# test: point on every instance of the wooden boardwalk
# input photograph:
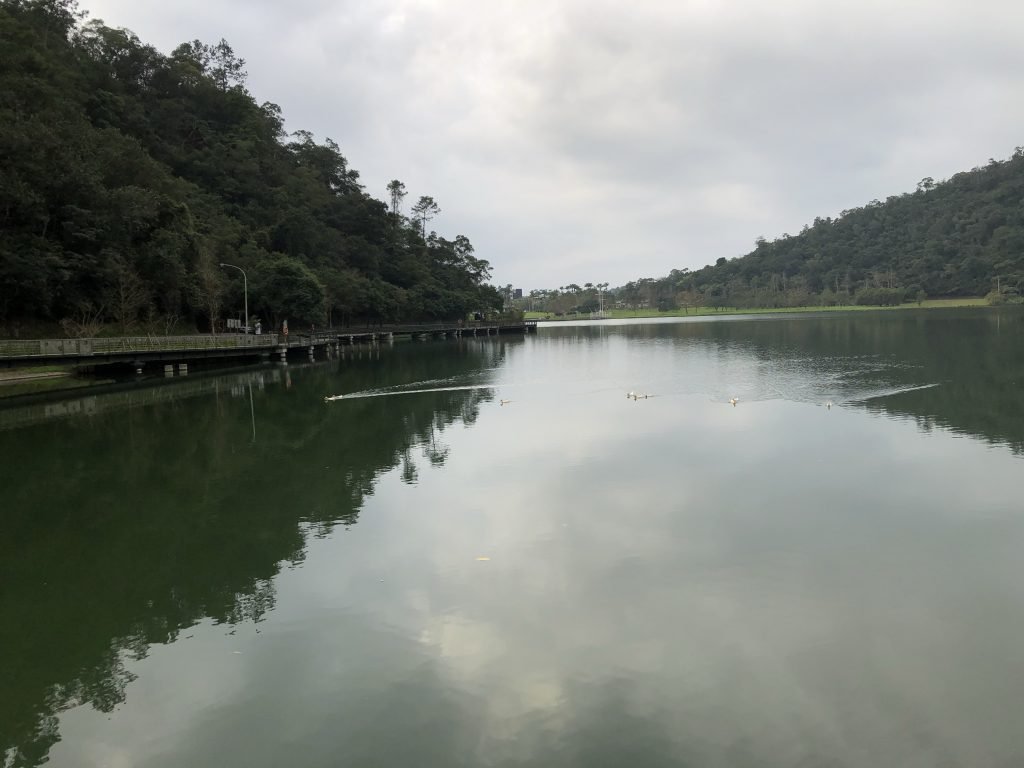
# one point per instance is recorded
(140, 350)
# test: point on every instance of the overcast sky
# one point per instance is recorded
(591, 141)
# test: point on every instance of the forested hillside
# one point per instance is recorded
(961, 237)
(128, 176)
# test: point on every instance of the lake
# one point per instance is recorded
(225, 570)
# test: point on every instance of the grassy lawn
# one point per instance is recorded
(37, 378)
(39, 386)
(967, 302)
(30, 371)
(623, 314)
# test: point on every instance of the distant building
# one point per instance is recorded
(517, 293)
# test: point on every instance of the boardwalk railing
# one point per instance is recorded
(128, 344)
(17, 349)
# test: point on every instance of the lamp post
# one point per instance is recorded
(245, 289)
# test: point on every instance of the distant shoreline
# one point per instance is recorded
(639, 314)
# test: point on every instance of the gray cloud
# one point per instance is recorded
(578, 140)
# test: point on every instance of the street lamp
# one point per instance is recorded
(245, 289)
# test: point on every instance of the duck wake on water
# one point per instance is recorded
(358, 395)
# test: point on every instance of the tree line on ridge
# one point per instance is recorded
(959, 237)
(130, 176)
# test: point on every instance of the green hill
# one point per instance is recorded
(960, 237)
(129, 175)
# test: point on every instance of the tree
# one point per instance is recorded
(397, 193)
(208, 289)
(218, 62)
(129, 175)
(478, 270)
(425, 210)
(325, 162)
(347, 295)
(129, 294)
(87, 321)
(285, 288)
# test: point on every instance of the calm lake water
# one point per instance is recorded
(228, 571)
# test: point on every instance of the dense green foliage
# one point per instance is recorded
(129, 175)
(961, 237)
